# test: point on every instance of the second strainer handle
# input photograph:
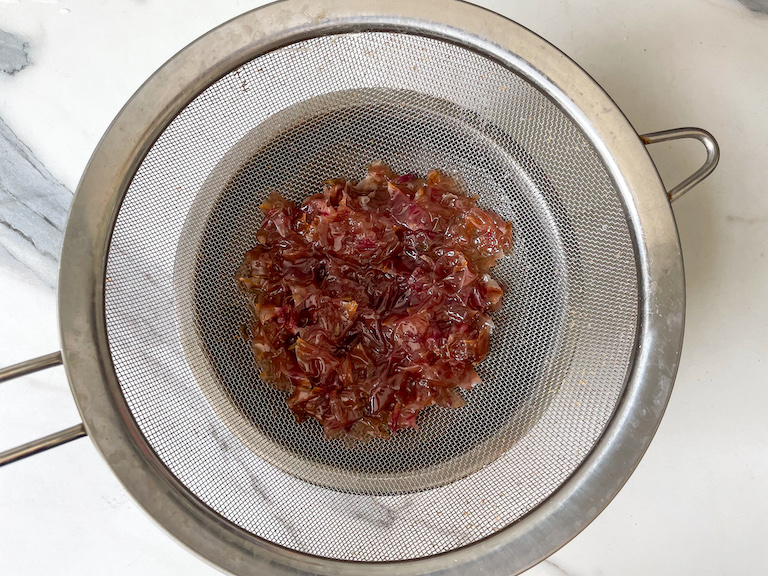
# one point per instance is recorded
(713, 155)
(52, 440)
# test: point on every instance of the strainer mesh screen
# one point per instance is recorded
(324, 108)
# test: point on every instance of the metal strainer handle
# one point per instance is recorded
(713, 155)
(52, 440)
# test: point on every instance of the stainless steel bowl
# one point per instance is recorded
(533, 134)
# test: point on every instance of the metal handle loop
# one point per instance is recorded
(30, 366)
(713, 155)
(51, 440)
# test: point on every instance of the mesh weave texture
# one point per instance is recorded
(326, 107)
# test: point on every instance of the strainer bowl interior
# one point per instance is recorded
(326, 107)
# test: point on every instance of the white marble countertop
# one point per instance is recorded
(697, 503)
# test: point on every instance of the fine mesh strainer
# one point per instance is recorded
(280, 99)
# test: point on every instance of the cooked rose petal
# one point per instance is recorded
(370, 301)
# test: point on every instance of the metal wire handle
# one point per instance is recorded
(52, 440)
(713, 155)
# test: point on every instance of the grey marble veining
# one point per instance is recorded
(14, 55)
(33, 210)
(558, 570)
(756, 5)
